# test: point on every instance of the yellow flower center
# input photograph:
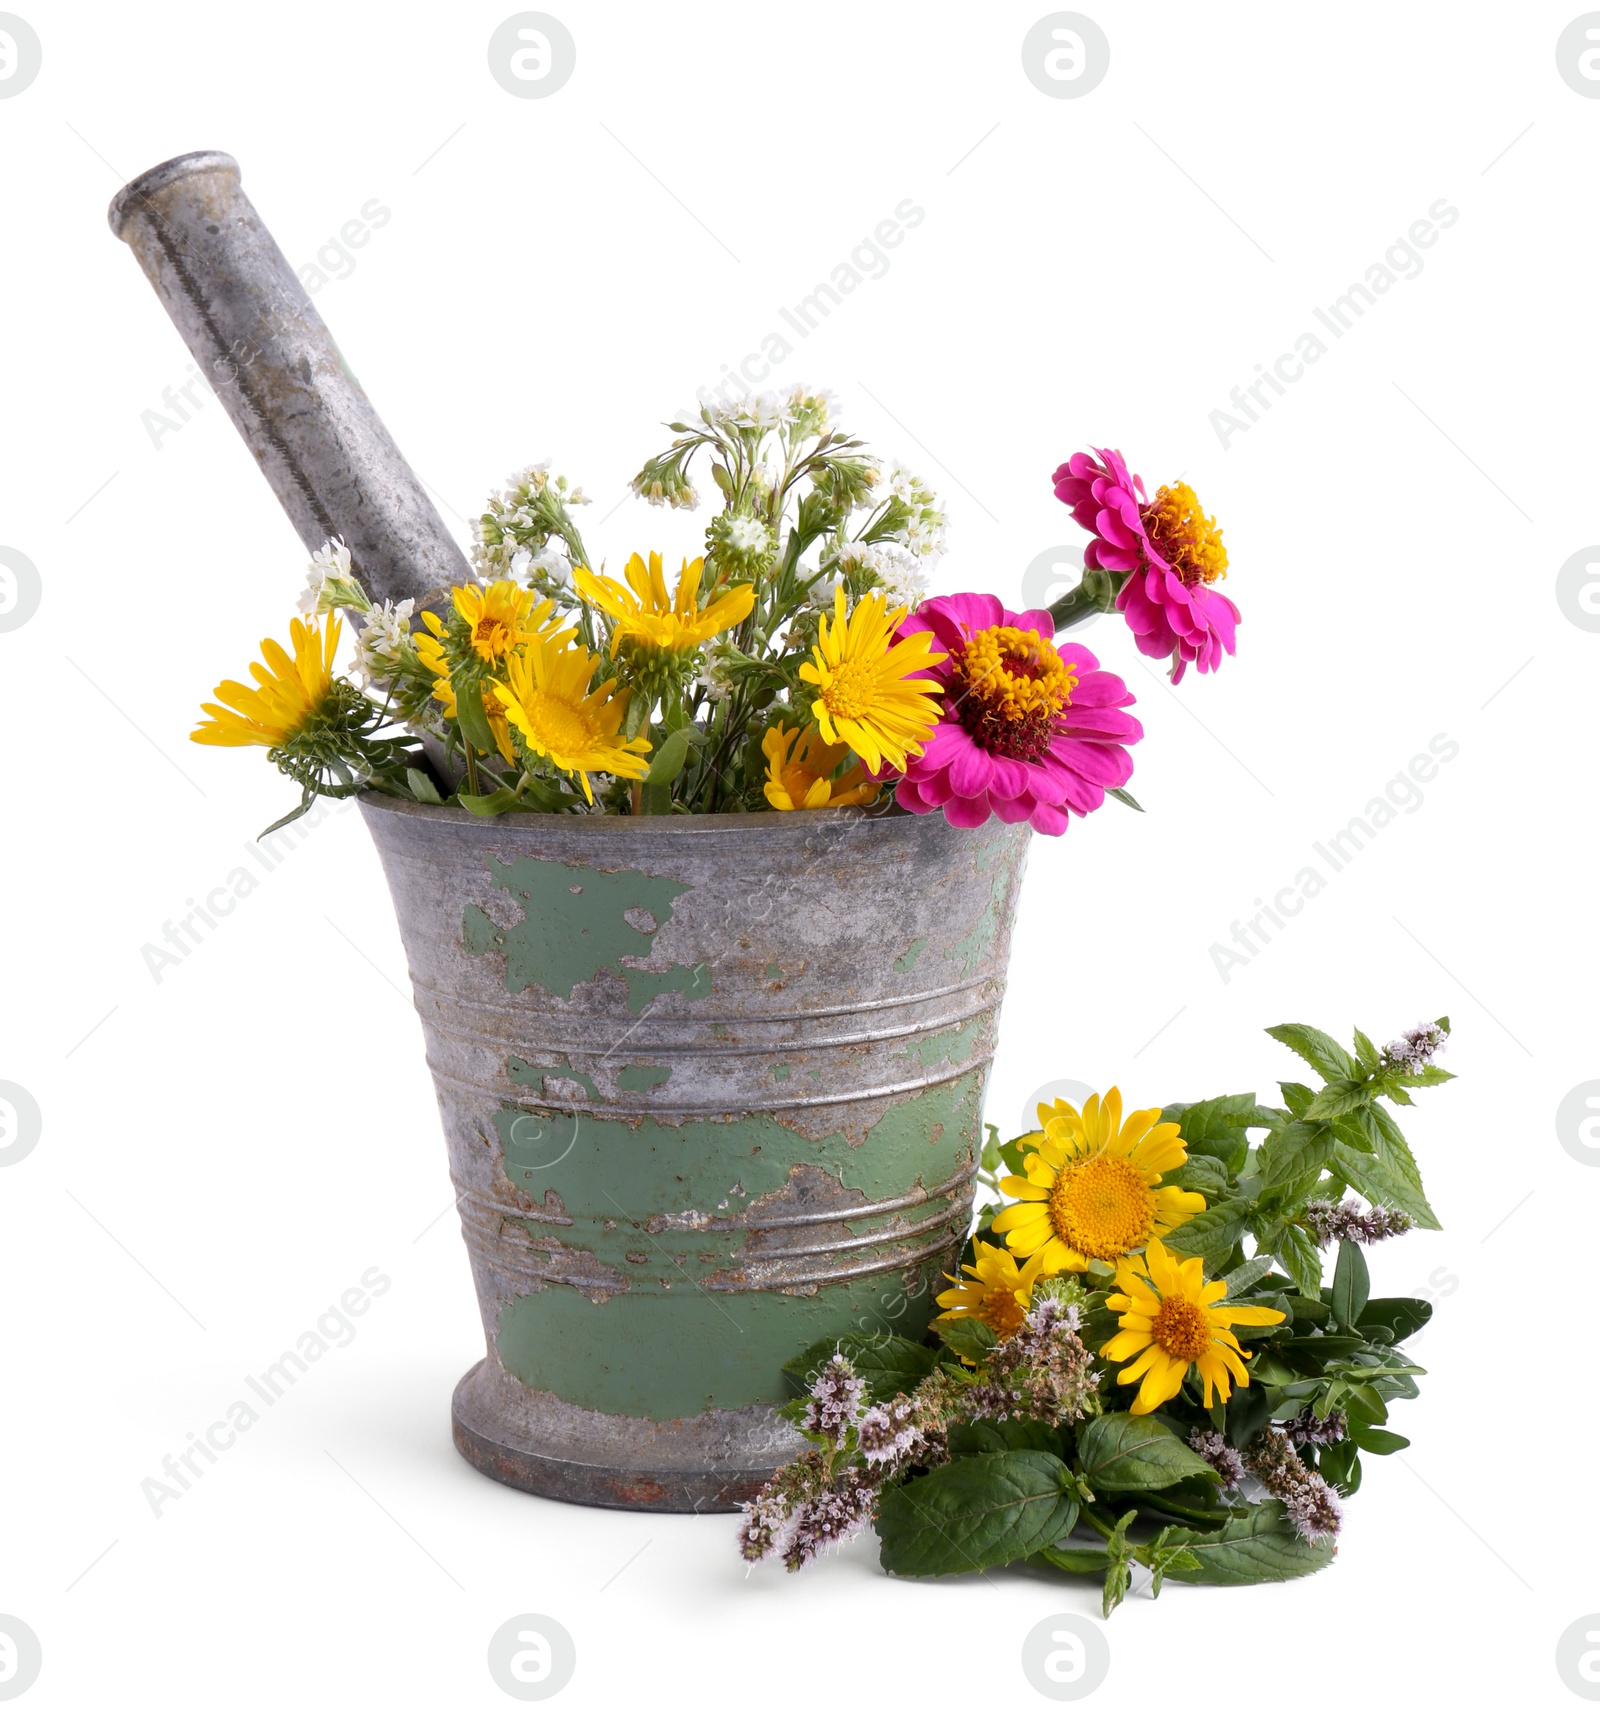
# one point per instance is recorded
(1102, 1207)
(851, 691)
(1001, 1311)
(1189, 541)
(1009, 687)
(1181, 1329)
(556, 726)
(492, 637)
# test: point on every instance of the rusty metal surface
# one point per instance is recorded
(711, 1088)
(251, 328)
(536, 1442)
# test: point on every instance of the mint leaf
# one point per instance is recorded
(1120, 1450)
(976, 1512)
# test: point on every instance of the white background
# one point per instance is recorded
(226, 1151)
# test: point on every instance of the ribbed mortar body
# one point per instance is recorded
(251, 327)
(711, 1088)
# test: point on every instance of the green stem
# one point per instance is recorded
(1095, 1522)
(1096, 592)
(1190, 1514)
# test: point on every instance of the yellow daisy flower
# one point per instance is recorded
(998, 1292)
(549, 702)
(661, 623)
(866, 696)
(289, 692)
(1172, 1319)
(1093, 1188)
(499, 619)
(799, 775)
(494, 623)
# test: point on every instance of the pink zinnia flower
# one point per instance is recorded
(1170, 550)
(1025, 733)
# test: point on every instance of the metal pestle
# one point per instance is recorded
(250, 326)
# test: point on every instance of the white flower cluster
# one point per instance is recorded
(898, 570)
(384, 638)
(511, 537)
(807, 410)
(924, 531)
(328, 577)
(549, 561)
(1413, 1052)
(715, 680)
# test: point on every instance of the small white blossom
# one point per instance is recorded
(330, 582)
(382, 639)
(747, 534)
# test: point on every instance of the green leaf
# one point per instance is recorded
(887, 1363)
(1346, 1095)
(1249, 1411)
(1301, 1259)
(1351, 1283)
(1298, 1151)
(976, 1512)
(495, 803)
(1261, 1548)
(1204, 1173)
(474, 723)
(422, 788)
(1367, 1055)
(1124, 1451)
(1217, 1127)
(1126, 797)
(1212, 1233)
(669, 760)
(1246, 1274)
(1322, 1348)
(1380, 1182)
(1019, 1434)
(1297, 1097)
(1391, 1146)
(1340, 1464)
(1402, 1315)
(968, 1337)
(1427, 1078)
(1356, 1131)
(1321, 1052)
(1378, 1440)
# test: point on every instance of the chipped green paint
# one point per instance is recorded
(912, 953)
(637, 1078)
(664, 1346)
(574, 928)
(643, 985)
(953, 1044)
(774, 972)
(780, 1073)
(533, 1076)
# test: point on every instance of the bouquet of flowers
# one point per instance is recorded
(1123, 1238)
(794, 664)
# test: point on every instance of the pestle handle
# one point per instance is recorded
(250, 326)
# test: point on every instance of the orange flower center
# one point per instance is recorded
(1008, 687)
(1001, 1311)
(1188, 540)
(1181, 1329)
(1102, 1207)
(492, 637)
(850, 691)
